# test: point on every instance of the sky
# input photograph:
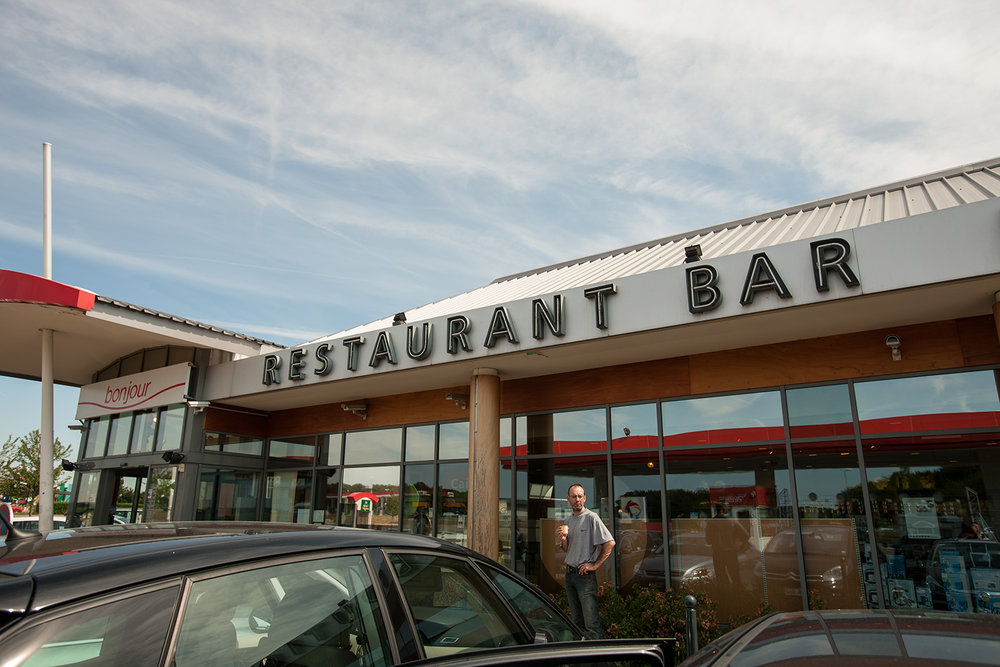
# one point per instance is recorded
(289, 170)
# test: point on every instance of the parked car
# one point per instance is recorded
(831, 566)
(857, 637)
(31, 522)
(236, 593)
(691, 563)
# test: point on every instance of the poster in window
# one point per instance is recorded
(921, 518)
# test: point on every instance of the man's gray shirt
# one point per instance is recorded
(586, 535)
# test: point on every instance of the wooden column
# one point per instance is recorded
(484, 462)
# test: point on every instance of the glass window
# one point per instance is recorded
(97, 437)
(506, 424)
(86, 500)
(933, 501)
(532, 608)
(420, 443)
(144, 431)
(129, 631)
(957, 400)
(121, 429)
(371, 498)
(160, 497)
(566, 432)
(542, 487)
(418, 496)
(170, 429)
(286, 496)
(815, 412)
(722, 419)
(833, 534)
(227, 495)
(634, 426)
(452, 503)
(377, 446)
(724, 506)
(640, 518)
(327, 496)
(453, 607)
(453, 441)
(330, 449)
(314, 612)
(233, 444)
(292, 452)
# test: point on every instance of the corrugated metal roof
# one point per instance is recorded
(954, 187)
(208, 328)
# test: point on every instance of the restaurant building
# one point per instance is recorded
(796, 408)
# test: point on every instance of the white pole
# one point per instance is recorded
(46, 483)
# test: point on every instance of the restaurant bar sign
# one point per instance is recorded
(828, 259)
(141, 391)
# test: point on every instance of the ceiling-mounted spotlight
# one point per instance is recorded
(174, 457)
(359, 409)
(692, 253)
(461, 400)
(893, 343)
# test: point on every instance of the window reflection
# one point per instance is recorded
(453, 441)
(170, 428)
(371, 498)
(833, 534)
(634, 426)
(639, 533)
(420, 443)
(452, 503)
(724, 507)
(287, 495)
(925, 499)
(956, 400)
(227, 495)
(376, 446)
(721, 419)
(418, 496)
(815, 412)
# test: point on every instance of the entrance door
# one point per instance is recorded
(127, 498)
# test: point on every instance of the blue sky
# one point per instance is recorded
(289, 170)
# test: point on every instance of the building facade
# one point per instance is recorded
(795, 409)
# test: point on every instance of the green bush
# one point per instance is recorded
(654, 612)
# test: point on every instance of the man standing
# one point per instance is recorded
(587, 543)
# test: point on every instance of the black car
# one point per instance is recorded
(857, 638)
(269, 594)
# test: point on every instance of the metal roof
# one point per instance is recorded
(941, 190)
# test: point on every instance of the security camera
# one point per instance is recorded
(354, 407)
(893, 343)
(198, 406)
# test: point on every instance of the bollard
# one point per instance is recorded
(691, 624)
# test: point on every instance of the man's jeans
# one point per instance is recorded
(581, 591)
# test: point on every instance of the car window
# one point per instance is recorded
(452, 606)
(130, 631)
(313, 612)
(537, 611)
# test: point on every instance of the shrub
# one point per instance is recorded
(653, 612)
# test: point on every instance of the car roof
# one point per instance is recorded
(72, 563)
(858, 636)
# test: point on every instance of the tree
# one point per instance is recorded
(19, 473)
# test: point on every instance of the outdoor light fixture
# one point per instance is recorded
(70, 466)
(461, 400)
(198, 406)
(692, 253)
(173, 458)
(399, 318)
(359, 409)
(893, 343)
(77, 427)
